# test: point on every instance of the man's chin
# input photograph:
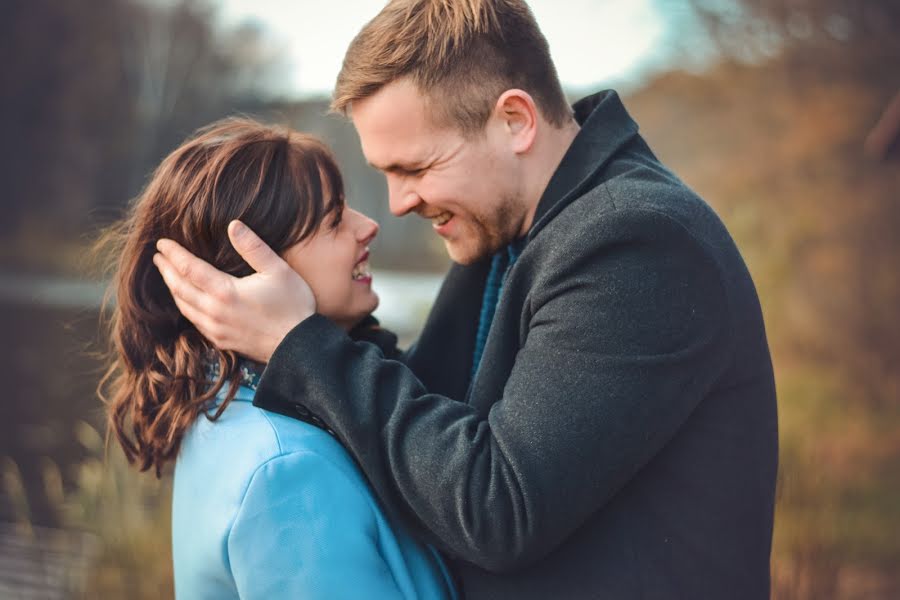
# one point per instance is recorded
(464, 254)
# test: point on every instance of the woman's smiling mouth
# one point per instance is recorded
(361, 271)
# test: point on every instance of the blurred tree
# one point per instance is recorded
(63, 98)
(184, 73)
(830, 69)
(94, 95)
(812, 34)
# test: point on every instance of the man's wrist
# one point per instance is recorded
(299, 351)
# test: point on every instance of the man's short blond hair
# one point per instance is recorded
(461, 55)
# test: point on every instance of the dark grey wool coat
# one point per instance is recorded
(620, 438)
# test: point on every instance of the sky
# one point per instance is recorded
(593, 42)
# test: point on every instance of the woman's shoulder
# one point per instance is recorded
(249, 461)
(260, 485)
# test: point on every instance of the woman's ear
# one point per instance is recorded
(519, 115)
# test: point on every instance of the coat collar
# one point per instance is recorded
(605, 127)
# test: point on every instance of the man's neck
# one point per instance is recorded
(548, 155)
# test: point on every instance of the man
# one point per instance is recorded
(590, 409)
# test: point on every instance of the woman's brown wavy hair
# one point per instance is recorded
(282, 184)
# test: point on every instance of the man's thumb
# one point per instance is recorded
(252, 249)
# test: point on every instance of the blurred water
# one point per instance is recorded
(405, 297)
(50, 292)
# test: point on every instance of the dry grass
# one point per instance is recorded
(126, 512)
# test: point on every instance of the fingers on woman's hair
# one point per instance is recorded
(252, 249)
(183, 291)
(189, 300)
(207, 327)
(195, 271)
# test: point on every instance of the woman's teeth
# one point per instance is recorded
(441, 219)
(361, 271)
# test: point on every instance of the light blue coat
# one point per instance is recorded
(265, 506)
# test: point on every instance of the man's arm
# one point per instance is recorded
(626, 337)
(370, 330)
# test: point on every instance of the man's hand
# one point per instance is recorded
(250, 315)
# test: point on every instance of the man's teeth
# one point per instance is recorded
(441, 219)
(361, 271)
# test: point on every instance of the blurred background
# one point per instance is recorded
(783, 114)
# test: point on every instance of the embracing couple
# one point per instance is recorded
(589, 411)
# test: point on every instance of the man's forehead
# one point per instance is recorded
(395, 130)
(386, 150)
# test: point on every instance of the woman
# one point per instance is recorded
(264, 506)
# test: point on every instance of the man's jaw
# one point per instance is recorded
(458, 234)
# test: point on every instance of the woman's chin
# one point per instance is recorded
(349, 320)
(375, 301)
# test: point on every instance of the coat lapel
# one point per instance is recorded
(442, 357)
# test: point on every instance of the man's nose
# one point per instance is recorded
(402, 198)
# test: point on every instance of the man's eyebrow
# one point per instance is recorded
(398, 167)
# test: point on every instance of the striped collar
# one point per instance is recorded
(250, 371)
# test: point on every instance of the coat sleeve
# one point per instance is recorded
(302, 527)
(625, 337)
(370, 330)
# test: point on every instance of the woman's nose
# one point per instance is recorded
(366, 228)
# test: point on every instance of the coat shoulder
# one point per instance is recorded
(639, 201)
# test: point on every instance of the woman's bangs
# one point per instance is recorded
(318, 193)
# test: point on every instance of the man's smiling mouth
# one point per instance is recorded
(441, 219)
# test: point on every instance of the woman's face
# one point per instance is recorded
(335, 264)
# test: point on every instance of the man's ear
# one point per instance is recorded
(519, 115)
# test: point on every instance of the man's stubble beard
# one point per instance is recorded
(491, 233)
